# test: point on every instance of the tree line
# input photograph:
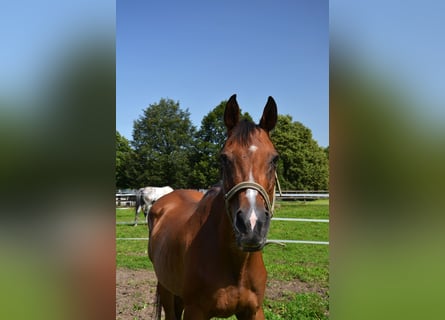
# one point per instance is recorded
(167, 149)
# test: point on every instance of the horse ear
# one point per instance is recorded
(231, 113)
(269, 118)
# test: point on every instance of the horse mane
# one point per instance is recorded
(243, 132)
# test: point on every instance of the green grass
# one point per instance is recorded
(131, 254)
(300, 306)
(307, 263)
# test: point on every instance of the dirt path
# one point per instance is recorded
(135, 292)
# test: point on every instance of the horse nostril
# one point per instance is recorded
(240, 223)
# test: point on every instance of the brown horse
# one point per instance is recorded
(206, 250)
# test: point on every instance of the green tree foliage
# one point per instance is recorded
(124, 163)
(162, 141)
(167, 150)
(303, 164)
(208, 143)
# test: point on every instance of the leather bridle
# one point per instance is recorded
(250, 185)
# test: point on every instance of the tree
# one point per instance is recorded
(124, 164)
(162, 140)
(208, 143)
(303, 164)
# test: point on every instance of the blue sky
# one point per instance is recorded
(402, 40)
(201, 52)
(35, 34)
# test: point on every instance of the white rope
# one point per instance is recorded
(301, 219)
(277, 219)
(297, 241)
(274, 241)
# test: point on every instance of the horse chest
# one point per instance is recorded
(233, 299)
(222, 292)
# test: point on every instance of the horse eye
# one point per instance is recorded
(224, 159)
(274, 161)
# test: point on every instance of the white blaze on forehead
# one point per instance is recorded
(251, 179)
(253, 148)
(251, 197)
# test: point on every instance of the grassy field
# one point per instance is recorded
(307, 264)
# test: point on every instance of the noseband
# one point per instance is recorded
(250, 185)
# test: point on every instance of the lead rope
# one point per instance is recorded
(281, 194)
(278, 183)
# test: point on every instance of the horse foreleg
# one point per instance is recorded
(259, 315)
(138, 209)
(194, 313)
(146, 211)
(135, 220)
(172, 306)
(179, 307)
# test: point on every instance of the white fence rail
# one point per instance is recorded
(125, 199)
(129, 199)
(275, 241)
(268, 241)
(302, 195)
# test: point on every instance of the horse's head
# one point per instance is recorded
(248, 164)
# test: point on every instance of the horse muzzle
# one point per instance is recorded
(251, 229)
(250, 224)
